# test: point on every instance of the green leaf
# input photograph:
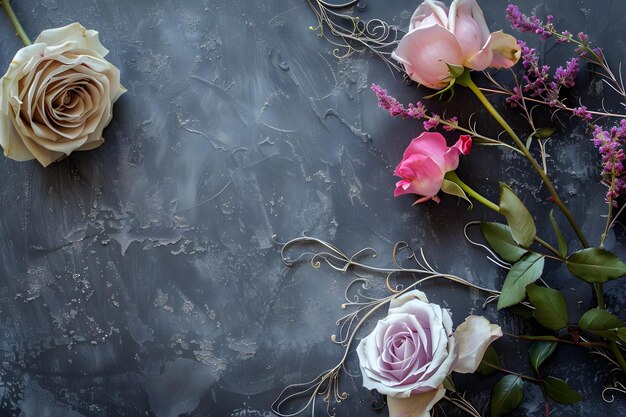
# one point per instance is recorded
(544, 132)
(550, 307)
(517, 216)
(559, 391)
(595, 265)
(604, 324)
(507, 395)
(501, 241)
(539, 352)
(448, 383)
(596, 319)
(612, 334)
(559, 236)
(452, 188)
(526, 271)
(491, 357)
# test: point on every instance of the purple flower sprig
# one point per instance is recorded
(533, 24)
(584, 48)
(413, 111)
(610, 144)
(539, 83)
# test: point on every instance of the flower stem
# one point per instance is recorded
(452, 176)
(549, 247)
(19, 30)
(618, 355)
(506, 371)
(466, 80)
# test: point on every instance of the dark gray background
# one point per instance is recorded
(141, 279)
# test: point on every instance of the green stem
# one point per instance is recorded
(452, 176)
(600, 294)
(618, 355)
(19, 30)
(466, 80)
(506, 371)
(548, 246)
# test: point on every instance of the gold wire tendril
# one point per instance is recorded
(617, 386)
(351, 34)
(362, 307)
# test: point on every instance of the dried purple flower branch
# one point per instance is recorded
(430, 120)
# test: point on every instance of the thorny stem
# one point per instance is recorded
(466, 80)
(452, 176)
(20, 32)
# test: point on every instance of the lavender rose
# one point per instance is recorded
(413, 349)
(57, 96)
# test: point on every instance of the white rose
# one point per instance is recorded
(57, 96)
(413, 349)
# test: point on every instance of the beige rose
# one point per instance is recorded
(57, 96)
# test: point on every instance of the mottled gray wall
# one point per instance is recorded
(141, 279)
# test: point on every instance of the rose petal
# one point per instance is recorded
(85, 39)
(417, 405)
(429, 12)
(425, 53)
(473, 337)
(431, 144)
(405, 298)
(467, 22)
(500, 51)
(425, 176)
(506, 51)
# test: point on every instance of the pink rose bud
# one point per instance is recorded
(425, 162)
(438, 38)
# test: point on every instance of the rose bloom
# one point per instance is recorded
(412, 350)
(57, 96)
(425, 162)
(438, 37)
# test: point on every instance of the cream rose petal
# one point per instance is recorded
(417, 405)
(86, 39)
(473, 337)
(57, 96)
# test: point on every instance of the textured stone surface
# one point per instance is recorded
(141, 279)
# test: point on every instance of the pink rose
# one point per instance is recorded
(425, 162)
(413, 349)
(438, 37)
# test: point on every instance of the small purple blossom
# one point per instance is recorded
(566, 76)
(412, 111)
(610, 145)
(395, 108)
(432, 123)
(583, 113)
(537, 81)
(531, 23)
(454, 122)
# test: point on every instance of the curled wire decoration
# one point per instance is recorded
(493, 257)
(358, 302)
(351, 34)
(608, 393)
